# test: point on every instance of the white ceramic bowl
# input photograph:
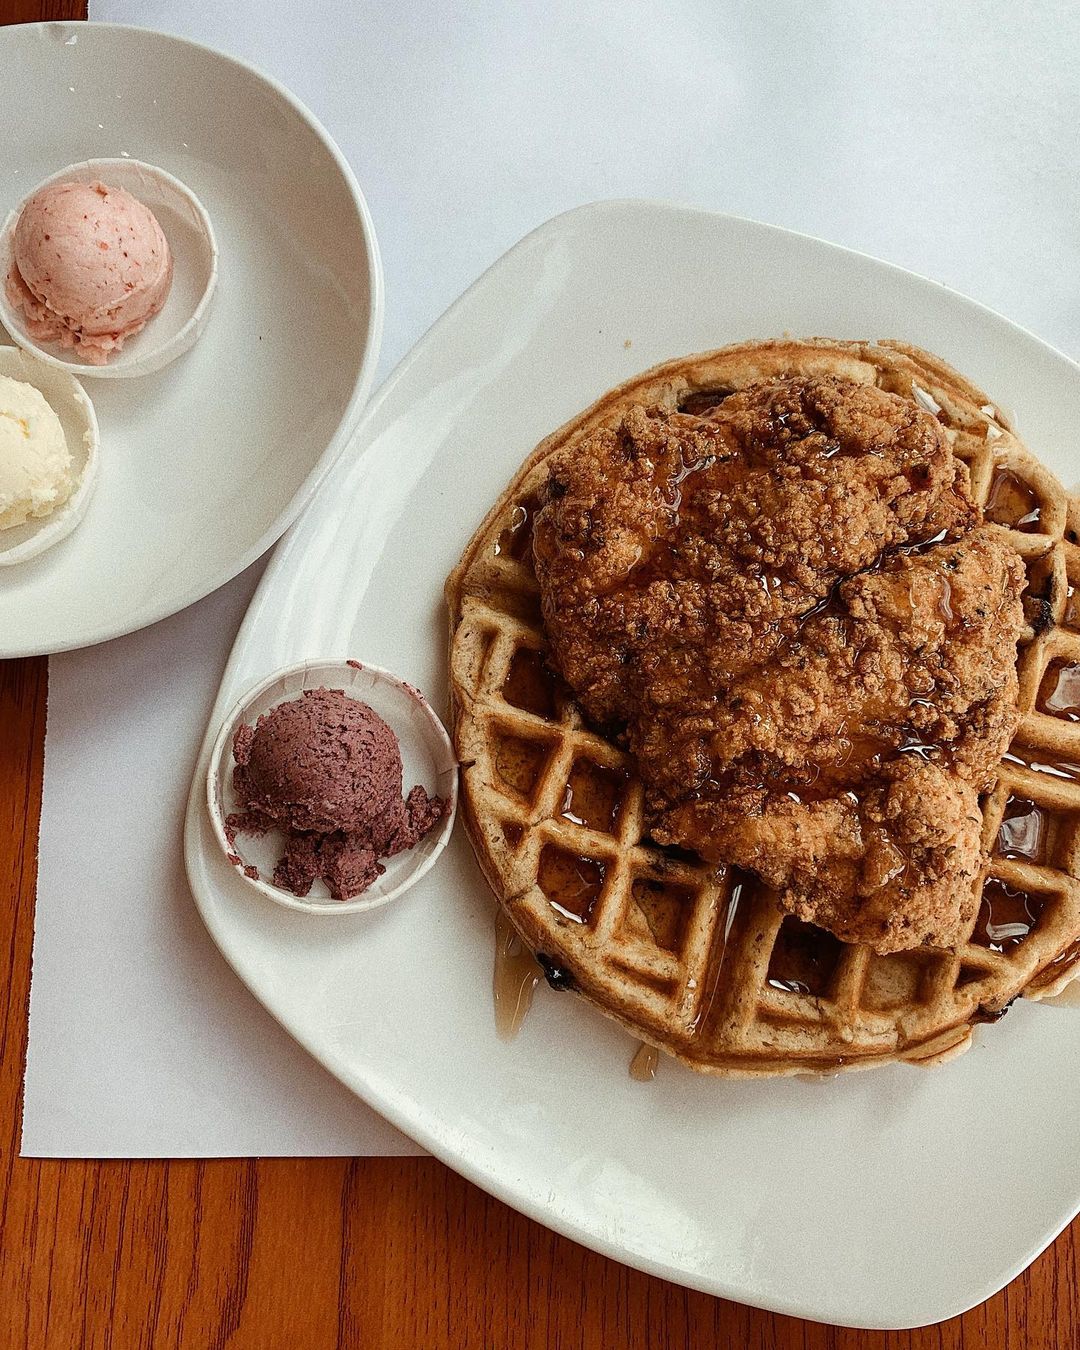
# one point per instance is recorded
(184, 315)
(211, 458)
(427, 757)
(71, 403)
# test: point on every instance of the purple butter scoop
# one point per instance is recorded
(325, 770)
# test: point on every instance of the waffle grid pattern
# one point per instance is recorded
(705, 965)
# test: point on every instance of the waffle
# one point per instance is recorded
(700, 961)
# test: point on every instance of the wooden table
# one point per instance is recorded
(370, 1252)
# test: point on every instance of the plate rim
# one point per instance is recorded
(355, 407)
(424, 1131)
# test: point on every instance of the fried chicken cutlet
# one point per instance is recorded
(791, 609)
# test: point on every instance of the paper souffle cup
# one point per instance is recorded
(427, 758)
(71, 403)
(181, 321)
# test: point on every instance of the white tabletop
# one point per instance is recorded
(938, 137)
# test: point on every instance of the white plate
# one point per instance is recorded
(883, 1199)
(206, 462)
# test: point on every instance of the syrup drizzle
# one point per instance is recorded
(516, 539)
(788, 986)
(593, 794)
(1022, 832)
(1069, 956)
(515, 979)
(1059, 692)
(1025, 756)
(1013, 503)
(740, 887)
(528, 685)
(643, 1065)
(703, 401)
(1007, 915)
(803, 959)
(572, 882)
(1071, 617)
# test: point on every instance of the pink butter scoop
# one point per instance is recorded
(91, 267)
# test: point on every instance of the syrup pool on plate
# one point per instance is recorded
(515, 979)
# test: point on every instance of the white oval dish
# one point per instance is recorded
(185, 313)
(71, 403)
(769, 1192)
(427, 757)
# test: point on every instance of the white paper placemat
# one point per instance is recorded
(143, 1042)
(939, 137)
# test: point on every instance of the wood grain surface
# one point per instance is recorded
(369, 1253)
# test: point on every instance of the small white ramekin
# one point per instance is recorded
(427, 757)
(71, 403)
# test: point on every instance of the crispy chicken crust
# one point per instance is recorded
(791, 609)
